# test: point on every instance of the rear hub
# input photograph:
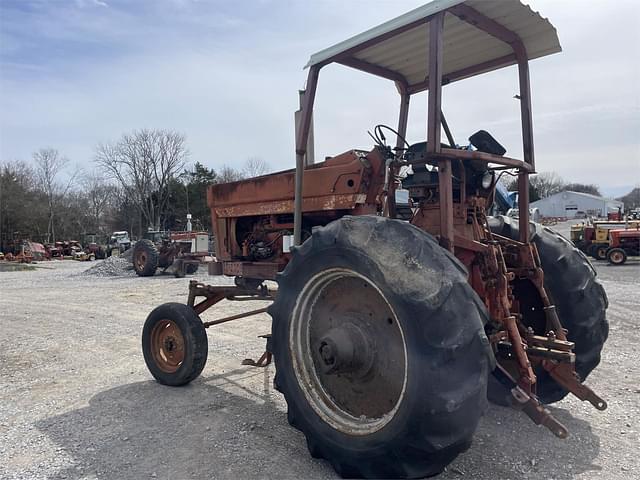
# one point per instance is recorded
(348, 351)
(140, 259)
(617, 257)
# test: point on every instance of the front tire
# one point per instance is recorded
(380, 349)
(174, 344)
(617, 256)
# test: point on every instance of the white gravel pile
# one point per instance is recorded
(128, 254)
(111, 267)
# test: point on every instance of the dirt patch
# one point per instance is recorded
(77, 401)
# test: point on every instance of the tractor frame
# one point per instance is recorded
(365, 183)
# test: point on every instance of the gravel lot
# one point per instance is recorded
(76, 400)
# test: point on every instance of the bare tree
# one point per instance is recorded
(541, 185)
(228, 174)
(143, 162)
(547, 183)
(254, 167)
(99, 195)
(49, 164)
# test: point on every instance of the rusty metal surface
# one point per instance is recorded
(238, 316)
(340, 175)
(346, 201)
(348, 183)
(250, 232)
(214, 294)
(251, 269)
(167, 346)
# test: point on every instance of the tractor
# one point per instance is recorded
(93, 247)
(623, 243)
(390, 336)
(183, 252)
(593, 239)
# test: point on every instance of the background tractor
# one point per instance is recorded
(93, 247)
(183, 252)
(593, 238)
(623, 243)
(389, 335)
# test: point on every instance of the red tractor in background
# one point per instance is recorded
(389, 335)
(182, 252)
(623, 243)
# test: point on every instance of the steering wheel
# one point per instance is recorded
(379, 138)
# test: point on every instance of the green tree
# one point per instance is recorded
(188, 194)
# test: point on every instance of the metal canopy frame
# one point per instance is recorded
(442, 156)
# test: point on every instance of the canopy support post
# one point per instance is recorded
(434, 124)
(403, 117)
(302, 136)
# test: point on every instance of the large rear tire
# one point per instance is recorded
(145, 258)
(380, 349)
(580, 300)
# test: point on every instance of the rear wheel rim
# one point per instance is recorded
(616, 257)
(348, 351)
(141, 260)
(167, 346)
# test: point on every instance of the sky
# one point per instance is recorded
(74, 74)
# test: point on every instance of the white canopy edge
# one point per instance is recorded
(414, 15)
(467, 45)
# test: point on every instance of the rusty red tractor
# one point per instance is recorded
(389, 336)
(623, 244)
(181, 252)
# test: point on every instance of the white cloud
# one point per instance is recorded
(86, 3)
(229, 79)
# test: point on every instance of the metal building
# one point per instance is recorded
(576, 204)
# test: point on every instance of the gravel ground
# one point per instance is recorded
(76, 400)
(111, 267)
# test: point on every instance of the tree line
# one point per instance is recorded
(141, 181)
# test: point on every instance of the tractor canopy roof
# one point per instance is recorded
(478, 38)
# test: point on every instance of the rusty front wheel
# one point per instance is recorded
(174, 344)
